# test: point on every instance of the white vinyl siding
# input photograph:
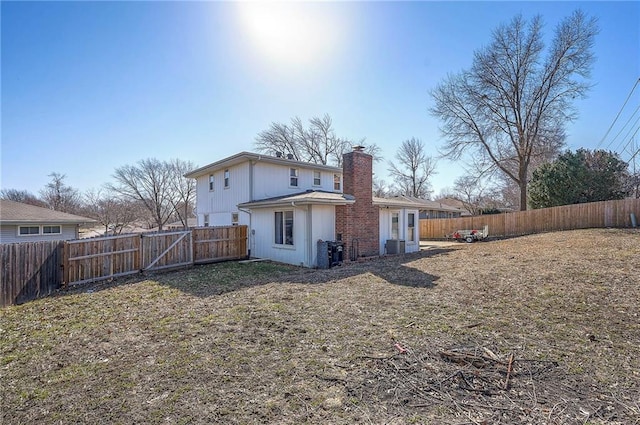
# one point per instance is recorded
(386, 228)
(219, 203)
(310, 223)
(272, 180)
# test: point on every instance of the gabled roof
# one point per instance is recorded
(18, 213)
(404, 201)
(241, 157)
(310, 197)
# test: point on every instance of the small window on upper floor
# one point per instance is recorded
(316, 178)
(226, 178)
(212, 182)
(293, 177)
(336, 182)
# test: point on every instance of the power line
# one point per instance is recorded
(623, 127)
(617, 116)
(627, 135)
(638, 150)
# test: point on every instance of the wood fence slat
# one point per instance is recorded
(568, 217)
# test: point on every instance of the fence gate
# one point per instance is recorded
(165, 250)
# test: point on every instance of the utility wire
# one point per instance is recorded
(617, 116)
(623, 128)
(627, 135)
(634, 155)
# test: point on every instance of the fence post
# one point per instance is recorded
(65, 264)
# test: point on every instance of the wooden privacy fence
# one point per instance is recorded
(90, 260)
(567, 217)
(31, 270)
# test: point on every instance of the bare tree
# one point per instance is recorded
(413, 169)
(23, 196)
(183, 189)
(475, 194)
(512, 105)
(111, 210)
(58, 196)
(380, 188)
(316, 143)
(149, 181)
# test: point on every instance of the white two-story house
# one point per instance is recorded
(289, 205)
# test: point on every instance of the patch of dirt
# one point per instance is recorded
(542, 329)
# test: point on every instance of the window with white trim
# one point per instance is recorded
(39, 230)
(206, 220)
(28, 230)
(336, 182)
(316, 178)
(51, 230)
(395, 225)
(235, 217)
(411, 226)
(293, 177)
(226, 178)
(212, 182)
(283, 228)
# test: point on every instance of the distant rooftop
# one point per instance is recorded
(18, 213)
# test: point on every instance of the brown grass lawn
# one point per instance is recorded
(538, 329)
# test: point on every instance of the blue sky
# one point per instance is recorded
(91, 86)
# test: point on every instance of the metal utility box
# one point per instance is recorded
(330, 253)
(395, 246)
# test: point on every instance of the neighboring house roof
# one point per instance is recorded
(18, 213)
(250, 156)
(310, 197)
(403, 201)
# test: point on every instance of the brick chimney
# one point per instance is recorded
(358, 224)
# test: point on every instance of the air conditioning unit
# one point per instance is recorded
(395, 246)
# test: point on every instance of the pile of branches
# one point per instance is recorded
(479, 385)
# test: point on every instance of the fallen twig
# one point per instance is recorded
(509, 367)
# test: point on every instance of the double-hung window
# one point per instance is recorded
(283, 228)
(336, 182)
(293, 177)
(316, 178)
(226, 178)
(212, 182)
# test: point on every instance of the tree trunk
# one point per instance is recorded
(522, 176)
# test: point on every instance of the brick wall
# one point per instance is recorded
(358, 223)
